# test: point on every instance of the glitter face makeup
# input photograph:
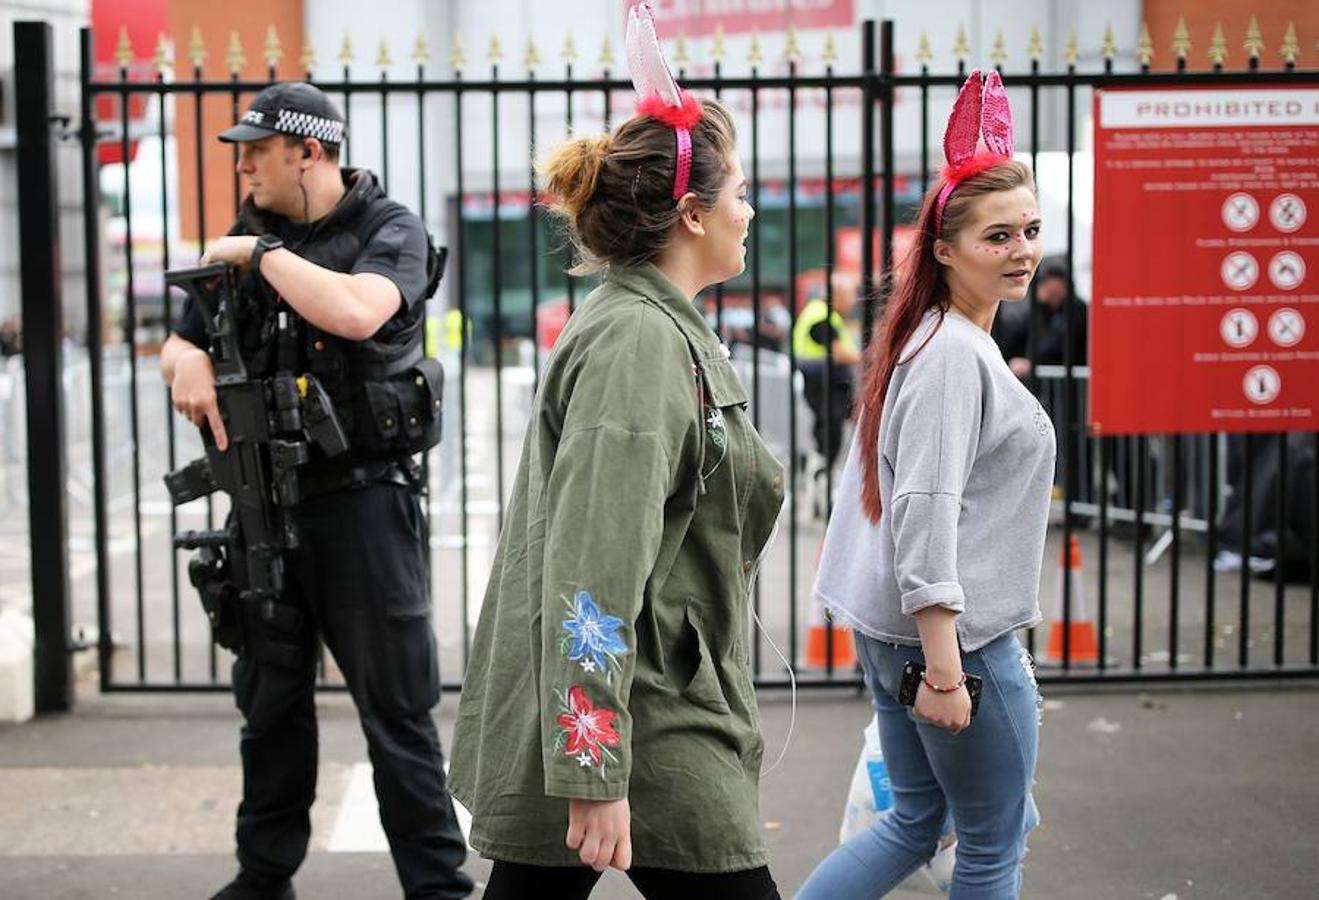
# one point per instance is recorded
(994, 256)
(727, 226)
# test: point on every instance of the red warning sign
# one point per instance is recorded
(1206, 269)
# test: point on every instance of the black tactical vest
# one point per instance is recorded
(386, 394)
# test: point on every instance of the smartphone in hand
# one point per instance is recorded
(911, 682)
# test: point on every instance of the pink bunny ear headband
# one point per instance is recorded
(980, 111)
(658, 94)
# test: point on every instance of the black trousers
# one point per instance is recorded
(828, 431)
(516, 881)
(359, 581)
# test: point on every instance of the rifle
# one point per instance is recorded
(271, 423)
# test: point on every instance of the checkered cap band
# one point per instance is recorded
(327, 131)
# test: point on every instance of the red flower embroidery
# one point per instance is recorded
(587, 728)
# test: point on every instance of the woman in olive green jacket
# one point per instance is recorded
(608, 717)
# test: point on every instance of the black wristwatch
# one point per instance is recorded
(264, 245)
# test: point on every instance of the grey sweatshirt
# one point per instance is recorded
(966, 466)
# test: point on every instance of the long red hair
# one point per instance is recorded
(920, 288)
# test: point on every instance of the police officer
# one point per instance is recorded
(827, 357)
(324, 245)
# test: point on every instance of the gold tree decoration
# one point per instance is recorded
(495, 51)
(383, 60)
(123, 51)
(234, 59)
(924, 53)
(421, 53)
(346, 51)
(961, 47)
(1254, 45)
(791, 52)
(272, 52)
(1145, 47)
(754, 56)
(308, 58)
(1291, 47)
(161, 61)
(606, 55)
(1109, 47)
(1181, 39)
(998, 54)
(196, 48)
(1218, 46)
(680, 55)
(532, 57)
(830, 52)
(1035, 48)
(717, 48)
(569, 52)
(1072, 52)
(457, 55)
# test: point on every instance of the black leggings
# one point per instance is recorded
(516, 881)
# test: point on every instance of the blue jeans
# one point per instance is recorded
(983, 776)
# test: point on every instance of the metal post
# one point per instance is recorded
(887, 69)
(868, 92)
(95, 358)
(43, 327)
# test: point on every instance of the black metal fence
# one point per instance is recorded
(1148, 508)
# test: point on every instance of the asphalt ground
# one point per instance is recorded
(1205, 793)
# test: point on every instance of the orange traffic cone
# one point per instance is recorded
(1084, 642)
(818, 636)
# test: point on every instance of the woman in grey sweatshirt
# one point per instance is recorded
(934, 549)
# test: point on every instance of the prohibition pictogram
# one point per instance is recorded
(1239, 327)
(1240, 212)
(1286, 270)
(1287, 212)
(1262, 384)
(1240, 270)
(1286, 327)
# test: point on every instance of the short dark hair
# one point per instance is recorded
(331, 151)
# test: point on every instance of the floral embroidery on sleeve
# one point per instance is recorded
(591, 637)
(587, 731)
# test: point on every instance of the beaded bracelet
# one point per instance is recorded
(943, 690)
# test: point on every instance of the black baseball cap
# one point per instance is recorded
(289, 107)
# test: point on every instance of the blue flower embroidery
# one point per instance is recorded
(592, 637)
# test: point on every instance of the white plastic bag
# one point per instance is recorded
(870, 795)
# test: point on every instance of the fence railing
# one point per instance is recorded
(1151, 504)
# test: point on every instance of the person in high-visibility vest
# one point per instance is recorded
(828, 357)
(453, 330)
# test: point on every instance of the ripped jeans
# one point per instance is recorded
(982, 776)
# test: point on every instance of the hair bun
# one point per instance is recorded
(573, 171)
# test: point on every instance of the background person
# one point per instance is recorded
(1052, 294)
(933, 553)
(327, 244)
(1042, 321)
(827, 356)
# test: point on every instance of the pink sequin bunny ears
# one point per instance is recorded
(981, 110)
(658, 94)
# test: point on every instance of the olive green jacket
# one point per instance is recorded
(610, 659)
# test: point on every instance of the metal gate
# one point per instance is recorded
(1146, 510)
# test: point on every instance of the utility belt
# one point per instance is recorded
(404, 472)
